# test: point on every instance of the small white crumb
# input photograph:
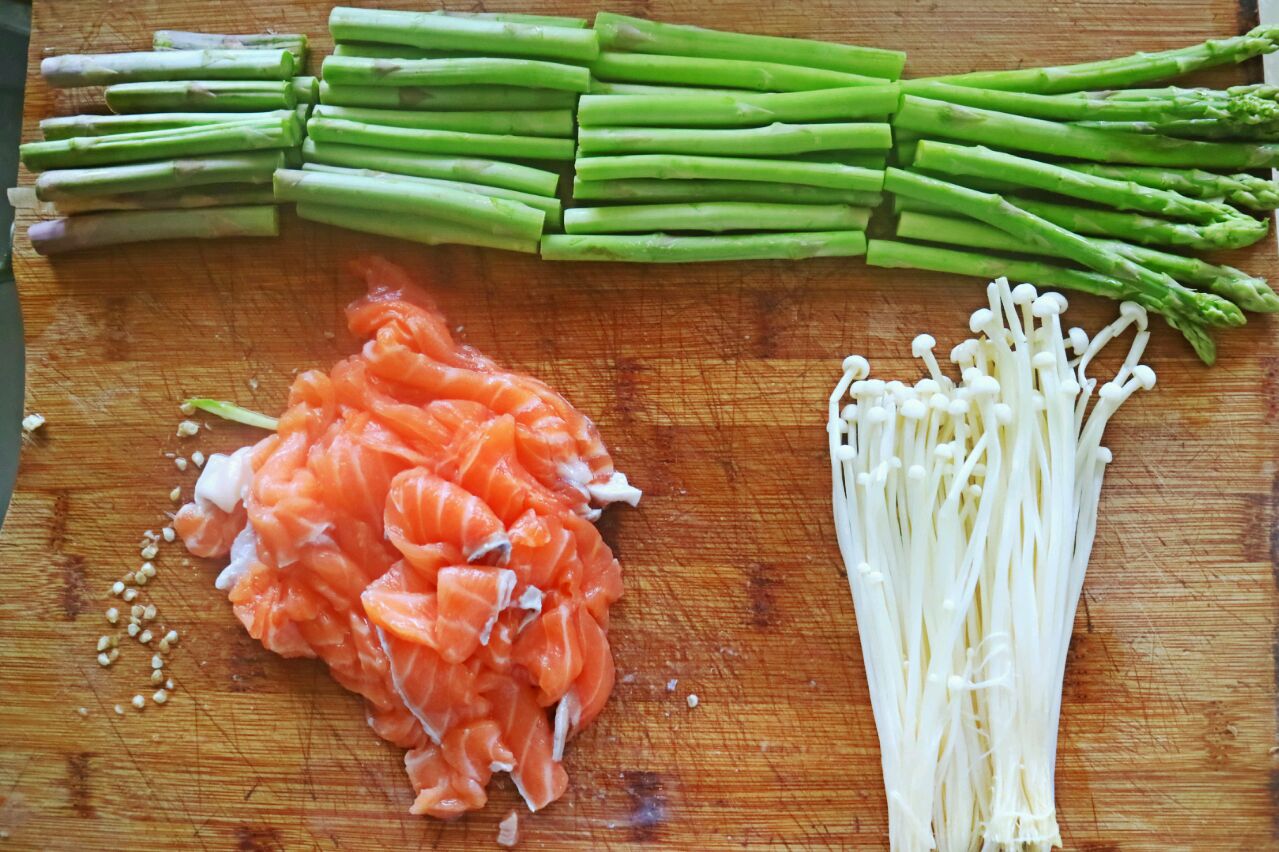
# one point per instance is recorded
(147, 569)
(119, 709)
(508, 830)
(168, 684)
(692, 700)
(171, 637)
(32, 422)
(169, 455)
(140, 578)
(180, 463)
(253, 382)
(176, 494)
(117, 588)
(671, 684)
(156, 676)
(160, 696)
(104, 660)
(104, 642)
(157, 662)
(134, 629)
(129, 595)
(150, 535)
(113, 615)
(138, 701)
(145, 637)
(83, 711)
(197, 458)
(113, 654)
(136, 611)
(187, 408)
(150, 552)
(187, 428)
(149, 613)
(168, 534)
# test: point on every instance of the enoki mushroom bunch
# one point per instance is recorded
(966, 513)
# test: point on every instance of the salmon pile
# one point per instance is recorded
(421, 521)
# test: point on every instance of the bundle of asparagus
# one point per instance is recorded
(1062, 177)
(697, 132)
(202, 121)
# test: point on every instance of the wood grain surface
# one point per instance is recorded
(709, 382)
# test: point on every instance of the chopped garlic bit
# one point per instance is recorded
(129, 595)
(119, 709)
(145, 637)
(168, 534)
(187, 428)
(147, 569)
(104, 642)
(671, 684)
(197, 458)
(140, 578)
(32, 422)
(160, 696)
(176, 494)
(117, 588)
(136, 611)
(138, 701)
(149, 612)
(134, 629)
(83, 711)
(180, 463)
(157, 675)
(157, 662)
(692, 700)
(104, 660)
(150, 552)
(168, 684)
(171, 637)
(113, 615)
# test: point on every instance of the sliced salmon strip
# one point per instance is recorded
(470, 601)
(424, 510)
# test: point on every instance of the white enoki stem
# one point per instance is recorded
(966, 514)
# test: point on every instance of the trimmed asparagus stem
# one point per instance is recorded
(1206, 129)
(447, 32)
(717, 190)
(104, 69)
(67, 127)
(407, 227)
(468, 209)
(738, 110)
(252, 167)
(1244, 190)
(550, 206)
(604, 87)
(201, 96)
(445, 97)
(553, 123)
(620, 32)
(221, 195)
(1250, 293)
(133, 226)
(1003, 130)
(294, 43)
(465, 169)
(1008, 168)
(679, 167)
(1127, 71)
(519, 18)
(861, 159)
(897, 255)
(729, 73)
(661, 248)
(161, 144)
(1054, 239)
(774, 140)
(715, 216)
(1130, 227)
(306, 90)
(439, 141)
(370, 50)
(471, 71)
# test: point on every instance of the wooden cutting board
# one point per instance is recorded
(710, 383)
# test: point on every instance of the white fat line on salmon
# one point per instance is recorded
(435, 735)
(244, 553)
(567, 714)
(496, 549)
(530, 600)
(225, 480)
(506, 581)
(616, 490)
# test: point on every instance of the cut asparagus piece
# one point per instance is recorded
(717, 190)
(862, 159)
(294, 43)
(445, 97)
(221, 195)
(104, 69)
(1249, 292)
(736, 110)
(465, 169)
(662, 248)
(519, 18)
(448, 32)
(1127, 71)
(370, 50)
(604, 87)
(408, 227)
(439, 141)
(715, 216)
(162, 175)
(201, 96)
(1244, 190)
(133, 226)
(620, 32)
(66, 127)
(554, 123)
(82, 151)
(679, 167)
(306, 90)
(1205, 129)
(898, 255)
(1003, 130)
(550, 206)
(728, 73)
(468, 209)
(772, 141)
(469, 71)
(1056, 240)
(1131, 227)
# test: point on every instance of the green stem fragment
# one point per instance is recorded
(406, 227)
(201, 96)
(74, 70)
(160, 175)
(554, 123)
(231, 411)
(727, 73)
(91, 230)
(446, 97)
(662, 248)
(680, 167)
(717, 190)
(773, 140)
(715, 216)
(294, 43)
(66, 127)
(689, 109)
(467, 71)
(465, 169)
(439, 141)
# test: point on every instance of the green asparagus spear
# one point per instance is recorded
(201, 96)
(294, 43)
(82, 151)
(447, 32)
(772, 141)
(1244, 190)
(467, 209)
(73, 70)
(306, 90)
(55, 236)
(222, 195)
(729, 73)
(445, 97)
(370, 50)
(1131, 227)
(439, 141)
(661, 248)
(474, 71)
(1250, 293)
(1052, 239)
(1206, 129)
(897, 255)
(862, 159)
(739, 110)
(519, 18)
(717, 190)
(555, 123)
(65, 127)
(466, 169)
(604, 87)
(619, 32)
(1002, 130)
(679, 167)
(161, 175)
(1126, 71)
(408, 227)
(715, 216)
(550, 206)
